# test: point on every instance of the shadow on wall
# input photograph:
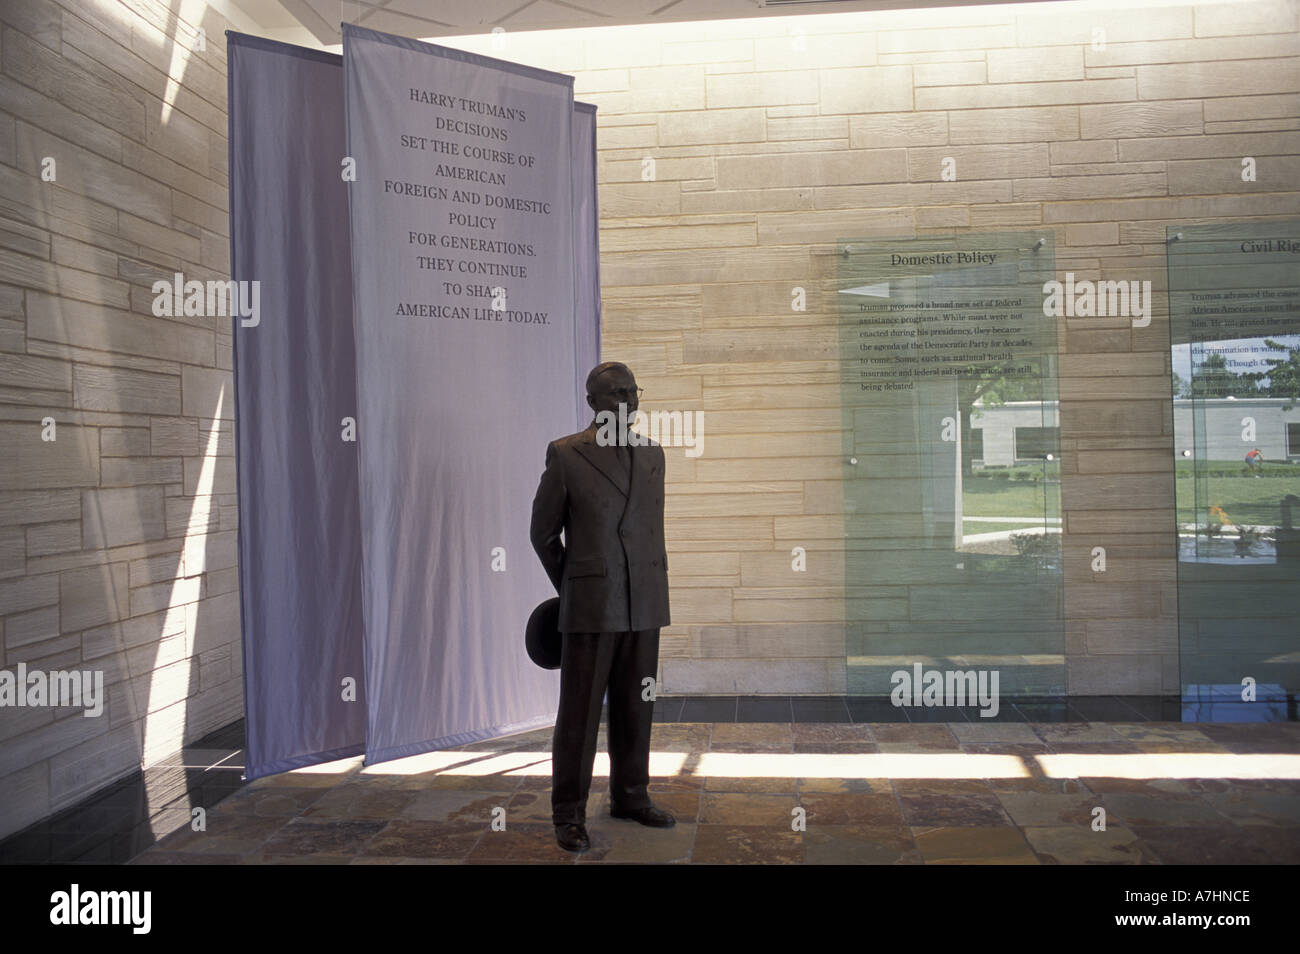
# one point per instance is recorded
(120, 492)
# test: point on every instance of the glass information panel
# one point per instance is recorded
(1234, 305)
(951, 464)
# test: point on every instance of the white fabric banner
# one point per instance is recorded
(464, 302)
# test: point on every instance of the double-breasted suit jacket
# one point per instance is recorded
(611, 570)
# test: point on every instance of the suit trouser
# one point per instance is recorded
(589, 663)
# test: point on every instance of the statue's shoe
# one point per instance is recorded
(650, 816)
(572, 838)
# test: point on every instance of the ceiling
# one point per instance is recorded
(316, 22)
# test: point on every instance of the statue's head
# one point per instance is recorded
(611, 384)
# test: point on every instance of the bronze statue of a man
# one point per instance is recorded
(606, 493)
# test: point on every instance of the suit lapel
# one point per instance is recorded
(641, 458)
(604, 459)
(641, 464)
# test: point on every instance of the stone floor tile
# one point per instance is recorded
(1049, 810)
(1058, 786)
(985, 732)
(832, 810)
(1021, 750)
(1206, 846)
(494, 782)
(935, 735)
(454, 807)
(1285, 786)
(681, 737)
(1136, 810)
(1161, 732)
(156, 857)
(225, 833)
(747, 809)
(1257, 808)
(751, 747)
(973, 846)
(845, 786)
(1281, 846)
(358, 800)
(264, 858)
(1080, 845)
(1067, 746)
(1286, 734)
(530, 808)
(1156, 746)
(520, 844)
(326, 775)
(953, 811)
(860, 845)
(735, 844)
(831, 732)
(394, 860)
(1260, 746)
(942, 786)
(1054, 732)
(424, 839)
(623, 840)
(301, 837)
(1144, 786)
(776, 733)
(271, 802)
(917, 748)
(679, 783)
(828, 748)
(771, 786)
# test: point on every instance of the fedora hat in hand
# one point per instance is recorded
(543, 637)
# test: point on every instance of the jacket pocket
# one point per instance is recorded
(592, 567)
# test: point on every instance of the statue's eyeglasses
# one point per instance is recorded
(625, 393)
